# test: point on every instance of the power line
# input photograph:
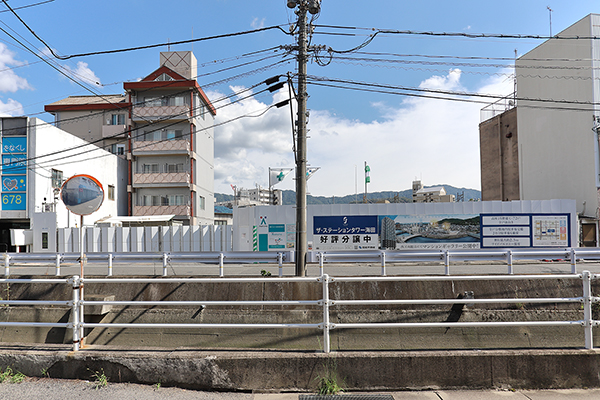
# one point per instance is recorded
(459, 34)
(446, 92)
(151, 46)
(29, 5)
(93, 143)
(390, 89)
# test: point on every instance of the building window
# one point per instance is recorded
(179, 100)
(44, 240)
(164, 77)
(175, 200)
(171, 168)
(220, 222)
(117, 119)
(118, 149)
(164, 134)
(201, 203)
(111, 192)
(168, 200)
(150, 168)
(57, 178)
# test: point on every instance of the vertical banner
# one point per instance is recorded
(14, 173)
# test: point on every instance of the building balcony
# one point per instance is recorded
(162, 210)
(172, 146)
(116, 131)
(164, 113)
(173, 179)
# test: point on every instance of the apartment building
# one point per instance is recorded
(544, 144)
(163, 125)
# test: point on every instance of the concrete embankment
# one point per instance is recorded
(289, 359)
(281, 371)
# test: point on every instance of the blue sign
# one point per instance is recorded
(346, 225)
(17, 183)
(14, 201)
(11, 145)
(14, 164)
(277, 228)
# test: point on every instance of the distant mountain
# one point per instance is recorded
(405, 196)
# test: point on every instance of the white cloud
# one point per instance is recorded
(9, 80)
(83, 73)
(11, 108)
(258, 23)
(437, 140)
(245, 148)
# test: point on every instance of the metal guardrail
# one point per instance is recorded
(509, 256)
(383, 257)
(110, 259)
(77, 304)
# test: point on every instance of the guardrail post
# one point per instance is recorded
(57, 265)
(280, 261)
(326, 343)
(446, 262)
(573, 261)
(75, 312)
(110, 265)
(321, 261)
(509, 262)
(383, 263)
(6, 265)
(221, 271)
(587, 309)
(165, 260)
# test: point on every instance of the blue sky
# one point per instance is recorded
(401, 138)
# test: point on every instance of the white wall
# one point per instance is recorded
(558, 148)
(246, 218)
(47, 146)
(204, 174)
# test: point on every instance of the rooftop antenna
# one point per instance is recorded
(550, 14)
(515, 81)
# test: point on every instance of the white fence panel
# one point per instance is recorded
(137, 239)
(186, 238)
(175, 239)
(207, 239)
(151, 239)
(176, 245)
(166, 237)
(108, 236)
(196, 236)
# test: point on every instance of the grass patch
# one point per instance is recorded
(101, 380)
(328, 382)
(10, 376)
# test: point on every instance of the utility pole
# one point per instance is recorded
(303, 6)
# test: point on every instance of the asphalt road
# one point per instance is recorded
(196, 269)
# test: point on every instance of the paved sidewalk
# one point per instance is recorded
(570, 394)
(60, 389)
